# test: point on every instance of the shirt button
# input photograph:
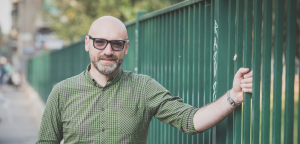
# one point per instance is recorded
(102, 109)
(103, 130)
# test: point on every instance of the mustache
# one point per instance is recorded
(104, 57)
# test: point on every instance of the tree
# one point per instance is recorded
(72, 18)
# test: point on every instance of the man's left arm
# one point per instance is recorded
(213, 113)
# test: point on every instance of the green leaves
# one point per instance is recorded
(75, 16)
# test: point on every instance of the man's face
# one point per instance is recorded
(106, 61)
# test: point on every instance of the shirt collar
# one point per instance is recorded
(109, 82)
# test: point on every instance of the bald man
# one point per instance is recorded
(105, 104)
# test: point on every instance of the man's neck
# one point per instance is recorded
(100, 78)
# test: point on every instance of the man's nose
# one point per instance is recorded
(108, 50)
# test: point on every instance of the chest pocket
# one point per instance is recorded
(130, 120)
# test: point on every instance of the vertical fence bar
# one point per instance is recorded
(207, 61)
(152, 36)
(191, 77)
(267, 34)
(155, 55)
(167, 67)
(142, 50)
(290, 71)
(147, 46)
(256, 71)
(230, 73)
(152, 47)
(171, 64)
(278, 50)
(220, 60)
(238, 64)
(191, 69)
(211, 82)
(201, 67)
(175, 66)
(153, 71)
(167, 72)
(164, 66)
(180, 67)
(190, 57)
(185, 61)
(247, 64)
(196, 64)
(162, 50)
(159, 50)
(150, 30)
(138, 65)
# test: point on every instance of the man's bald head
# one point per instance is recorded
(108, 27)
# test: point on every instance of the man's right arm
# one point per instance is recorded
(51, 131)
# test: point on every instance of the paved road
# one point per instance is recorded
(24, 126)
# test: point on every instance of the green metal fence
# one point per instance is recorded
(189, 48)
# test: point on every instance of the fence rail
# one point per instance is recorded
(189, 48)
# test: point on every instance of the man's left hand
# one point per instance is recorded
(242, 83)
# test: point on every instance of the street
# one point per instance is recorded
(23, 125)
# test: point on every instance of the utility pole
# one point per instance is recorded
(1, 38)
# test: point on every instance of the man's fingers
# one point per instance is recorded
(246, 85)
(241, 72)
(245, 90)
(247, 80)
(248, 75)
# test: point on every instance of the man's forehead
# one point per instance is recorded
(109, 27)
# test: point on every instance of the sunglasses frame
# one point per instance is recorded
(108, 41)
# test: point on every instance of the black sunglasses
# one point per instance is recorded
(100, 43)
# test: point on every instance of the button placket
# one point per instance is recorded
(102, 110)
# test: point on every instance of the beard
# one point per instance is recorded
(106, 69)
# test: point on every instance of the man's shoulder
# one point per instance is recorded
(74, 80)
(131, 76)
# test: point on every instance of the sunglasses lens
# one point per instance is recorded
(100, 43)
(117, 45)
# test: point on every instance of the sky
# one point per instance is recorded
(5, 16)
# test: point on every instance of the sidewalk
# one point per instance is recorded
(24, 126)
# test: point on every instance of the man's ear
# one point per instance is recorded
(87, 41)
(126, 47)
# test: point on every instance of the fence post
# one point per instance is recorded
(238, 64)
(290, 72)
(220, 56)
(230, 70)
(207, 57)
(256, 71)
(137, 39)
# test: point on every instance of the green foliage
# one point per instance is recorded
(74, 17)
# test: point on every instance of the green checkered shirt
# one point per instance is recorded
(81, 111)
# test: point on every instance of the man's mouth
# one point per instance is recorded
(108, 60)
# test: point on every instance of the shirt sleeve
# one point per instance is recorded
(169, 109)
(51, 131)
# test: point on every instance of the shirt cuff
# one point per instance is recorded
(188, 122)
